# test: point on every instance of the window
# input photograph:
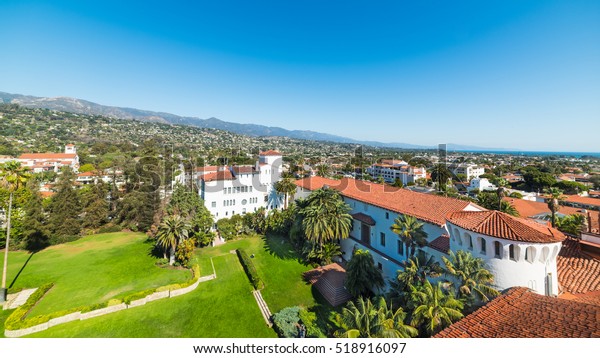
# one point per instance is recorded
(244, 202)
(266, 198)
(228, 190)
(530, 254)
(470, 243)
(379, 266)
(400, 248)
(382, 239)
(483, 244)
(497, 250)
(511, 252)
(225, 191)
(224, 202)
(213, 204)
(387, 215)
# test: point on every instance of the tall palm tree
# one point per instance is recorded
(13, 177)
(171, 232)
(435, 308)
(474, 280)
(362, 277)
(416, 270)
(501, 191)
(410, 231)
(553, 202)
(287, 187)
(391, 323)
(326, 217)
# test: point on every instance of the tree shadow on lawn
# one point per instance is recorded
(326, 314)
(280, 247)
(21, 270)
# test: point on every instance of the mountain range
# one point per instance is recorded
(75, 105)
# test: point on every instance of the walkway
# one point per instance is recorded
(264, 309)
(15, 300)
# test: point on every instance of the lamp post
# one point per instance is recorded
(4, 290)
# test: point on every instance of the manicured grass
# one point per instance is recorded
(223, 307)
(3, 316)
(277, 264)
(91, 270)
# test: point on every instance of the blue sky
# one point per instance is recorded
(511, 74)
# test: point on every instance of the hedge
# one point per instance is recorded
(250, 269)
(138, 295)
(16, 319)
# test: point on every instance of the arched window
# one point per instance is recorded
(469, 241)
(497, 250)
(554, 253)
(545, 254)
(511, 252)
(530, 254)
(482, 246)
(456, 235)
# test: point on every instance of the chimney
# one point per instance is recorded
(589, 222)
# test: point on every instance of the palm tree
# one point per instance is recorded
(361, 274)
(416, 270)
(367, 320)
(13, 177)
(410, 231)
(287, 187)
(553, 202)
(501, 191)
(171, 232)
(435, 309)
(509, 208)
(473, 278)
(326, 217)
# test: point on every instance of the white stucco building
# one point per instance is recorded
(227, 191)
(527, 250)
(392, 170)
(41, 162)
(480, 184)
(469, 170)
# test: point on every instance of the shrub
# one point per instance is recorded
(137, 295)
(109, 228)
(185, 251)
(114, 302)
(285, 322)
(309, 319)
(95, 306)
(56, 240)
(250, 269)
(16, 319)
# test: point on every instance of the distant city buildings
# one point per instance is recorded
(43, 162)
(391, 170)
(470, 171)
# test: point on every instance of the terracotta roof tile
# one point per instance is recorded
(578, 272)
(501, 225)
(243, 169)
(582, 200)
(441, 243)
(426, 207)
(220, 175)
(521, 313)
(528, 208)
(270, 153)
(47, 156)
(364, 218)
(208, 168)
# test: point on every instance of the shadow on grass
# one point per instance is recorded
(326, 314)
(279, 247)
(21, 270)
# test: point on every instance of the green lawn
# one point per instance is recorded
(91, 270)
(223, 307)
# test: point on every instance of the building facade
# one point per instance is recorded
(470, 171)
(41, 162)
(231, 190)
(397, 170)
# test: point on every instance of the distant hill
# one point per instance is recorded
(75, 105)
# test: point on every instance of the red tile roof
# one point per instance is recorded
(364, 218)
(270, 153)
(441, 243)
(582, 200)
(243, 169)
(208, 168)
(520, 313)
(592, 298)
(426, 207)
(528, 208)
(220, 175)
(578, 272)
(86, 174)
(47, 156)
(501, 225)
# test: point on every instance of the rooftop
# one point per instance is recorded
(520, 313)
(220, 175)
(430, 208)
(270, 153)
(48, 156)
(441, 243)
(501, 225)
(578, 272)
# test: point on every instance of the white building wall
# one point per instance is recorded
(532, 262)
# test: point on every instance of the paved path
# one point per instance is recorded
(15, 300)
(264, 309)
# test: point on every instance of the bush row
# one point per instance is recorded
(250, 269)
(17, 319)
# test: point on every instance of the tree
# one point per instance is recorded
(410, 231)
(323, 170)
(326, 217)
(554, 203)
(474, 280)
(13, 177)
(501, 191)
(416, 271)
(87, 168)
(35, 231)
(287, 187)
(595, 179)
(572, 224)
(435, 308)
(65, 208)
(95, 205)
(440, 174)
(171, 232)
(367, 320)
(362, 277)
(489, 200)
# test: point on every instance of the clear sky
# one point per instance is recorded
(512, 74)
